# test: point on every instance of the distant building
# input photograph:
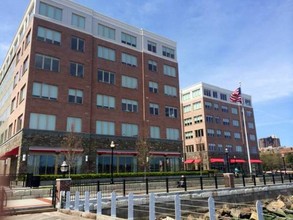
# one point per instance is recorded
(213, 129)
(70, 69)
(271, 141)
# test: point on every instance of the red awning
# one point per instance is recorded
(197, 161)
(217, 160)
(53, 150)
(117, 152)
(165, 153)
(255, 161)
(237, 161)
(188, 161)
(10, 153)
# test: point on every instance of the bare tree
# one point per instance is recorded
(143, 154)
(71, 148)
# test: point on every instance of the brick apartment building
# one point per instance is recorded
(70, 69)
(213, 130)
(271, 141)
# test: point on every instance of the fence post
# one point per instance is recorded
(264, 179)
(216, 182)
(86, 201)
(152, 214)
(98, 186)
(67, 204)
(177, 207)
(259, 210)
(76, 202)
(124, 187)
(113, 205)
(147, 185)
(273, 177)
(212, 210)
(243, 179)
(254, 182)
(167, 185)
(201, 184)
(290, 177)
(130, 206)
(99, 203)
(185, 184)
(54, 195)
(282, 178)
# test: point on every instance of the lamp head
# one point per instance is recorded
(64, 167)
(112, 145)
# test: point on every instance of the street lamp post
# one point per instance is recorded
(64, 168)
(112, 145)
(227, 160)
(284, 164)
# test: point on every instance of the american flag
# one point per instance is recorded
(236, 95)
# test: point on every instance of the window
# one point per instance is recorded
(225, 109)
(13, 104)
(200, 147)
(237, 135)
(186, 96)
(128, 39)
(248, 113)
(188, 135)
(106, 77)
(216, 106)
(169, 70)
(42, 121)
(235, 123)
(199, 133)
(219, 133)
(170, 90)
(217, 120)
(187, 121)
(226, 121)
(152, 46)
(129, 82)
(234, 111)
(215, 94)
(47, 63)
(28, 39)
(25, 65)
(208, 105)
(196, 93)
(196, 105)
(198, 119)
(49, 36)
(212, 147)
(76, 69)
(189, 148)
(247, 102)
(250, 125)
(211, 132)
(209, 119)
(75, 96)
(19, 122)
(129, 130)
(18, 56)
(45, 91)
(172, 134)
(227, 134)
(129, 105)
(22, 94)
(106, 53)
(77, 44)
(223, 97)
(252, 137)
(239, 149)
(168, 52)
(154, 109)
(105, 128)
(153, 87)
(253, 149)
(186, 108)
(50, 11)
(171, 112)
(152, 65)
(106, 32)
(73, 124)
(78, 21)
(155, 132)
(229, 147)
(207, 92)
(105, 101)
(220, 148)
(129, 59)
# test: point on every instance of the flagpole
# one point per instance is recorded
(245, 133)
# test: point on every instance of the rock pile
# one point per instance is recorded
(279, 208)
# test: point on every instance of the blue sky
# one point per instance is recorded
(219, 42)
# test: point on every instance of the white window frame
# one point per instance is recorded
(105, 128)
(73, 124)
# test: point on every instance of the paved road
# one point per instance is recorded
(44, 216)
